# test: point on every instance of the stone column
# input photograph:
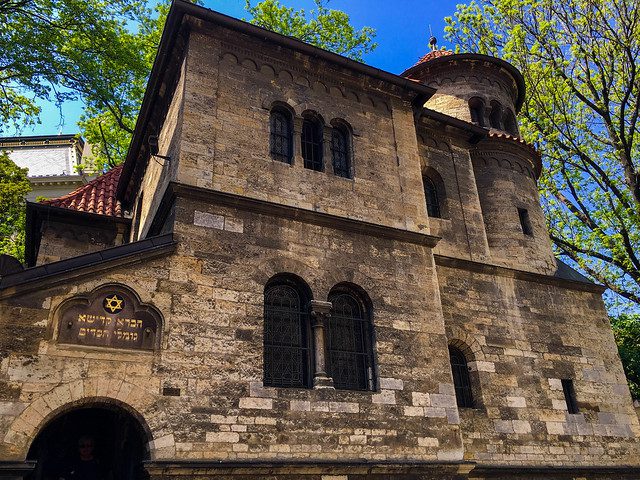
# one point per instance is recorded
(320, 312)
(297, 142)
(327, 160)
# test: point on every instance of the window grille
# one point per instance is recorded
(349, 352)
(286, 338)
(281, 139)
(570, 395)
(431, 195)
(461, 381)
(340, 153)
(312, 144)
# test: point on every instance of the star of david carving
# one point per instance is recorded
(113, 304)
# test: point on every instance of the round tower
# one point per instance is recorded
(489, 92)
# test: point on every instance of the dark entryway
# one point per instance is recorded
(99, 441)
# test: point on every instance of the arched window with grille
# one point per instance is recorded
(476, 108)
(495, 117)
(341, 151)
(311, 143)
(349, 342)
(287, 340)
(461, 380)
(432, 198)
(281, 135)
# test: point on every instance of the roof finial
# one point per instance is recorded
(433, 41)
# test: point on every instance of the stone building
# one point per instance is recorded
(328, 272)
(53, 161)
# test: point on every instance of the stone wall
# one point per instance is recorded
(225, 136)
(521, 338)
(461, 226)
(211, 295)
(506, 182)
(62, 240)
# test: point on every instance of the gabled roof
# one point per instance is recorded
(98, 196)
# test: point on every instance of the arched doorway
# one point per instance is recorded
(98, 437)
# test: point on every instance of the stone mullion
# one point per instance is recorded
(320, 313)
(297, 141)
(327, 161)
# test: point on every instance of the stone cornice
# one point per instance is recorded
(497, 270)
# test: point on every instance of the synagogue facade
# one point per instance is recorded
(308, 268)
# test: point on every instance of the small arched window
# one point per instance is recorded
(341, 151)
(461, 380)
(287, 352)
(510, 124)
(495, 117)
(349, 342)
(281, 138)
(312, 146)
(431, 195)
(476, 108)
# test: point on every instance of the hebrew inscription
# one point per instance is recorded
(109, 317)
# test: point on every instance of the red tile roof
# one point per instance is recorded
(433, 54)
(97, 196)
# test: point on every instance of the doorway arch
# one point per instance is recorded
(119, 436)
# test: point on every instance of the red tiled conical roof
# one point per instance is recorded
(97, 196)
(433, 54)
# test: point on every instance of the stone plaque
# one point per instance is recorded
(112, 316)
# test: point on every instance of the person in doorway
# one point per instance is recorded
(86, 466)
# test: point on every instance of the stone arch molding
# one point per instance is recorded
(272, 70)
(89, 391)
(466, 342)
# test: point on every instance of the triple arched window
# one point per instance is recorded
(312, 141)
(343, 337)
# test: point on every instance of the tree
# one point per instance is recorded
(89, 50)
(101, 53)
(626, 329)
(328, 29)
(14, 186)
(580, 62)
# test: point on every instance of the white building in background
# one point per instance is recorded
(53, 162)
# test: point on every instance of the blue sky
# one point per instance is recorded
(402, 37)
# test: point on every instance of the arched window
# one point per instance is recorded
(287, 351)
(510, 124)
(461, 381)
(476, 108)
(312, 143)
(495, 117)
(431, 195)
(341, 151)
(281, 139)
(349, 342)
